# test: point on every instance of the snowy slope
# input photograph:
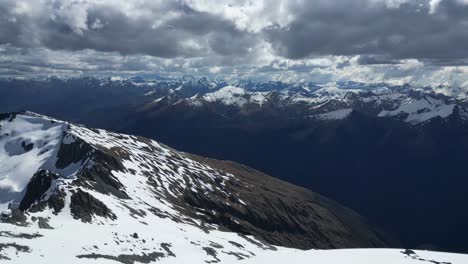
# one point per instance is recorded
(92, 196)
(418, 111)
(337, 114)
(360, 256)
(164, 241)
(27, 145)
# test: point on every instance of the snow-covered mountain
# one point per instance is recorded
(82, 195)
(332, 102)
(360, 144)
(414, 105)
(370, 146)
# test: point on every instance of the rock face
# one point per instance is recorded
(37, 186)
(84, 206)
(103, 179)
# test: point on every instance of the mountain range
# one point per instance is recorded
(390, 152)
(83, 195)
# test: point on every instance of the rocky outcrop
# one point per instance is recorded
(9, 116)
(99, 176)
(71, 153)
(56, 202)
(37, 186)
(84, 206)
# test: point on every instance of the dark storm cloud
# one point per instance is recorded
(10, 28)
(190, 33)
(446, 62)
(175, 36)
(362, 27)
(376, 60)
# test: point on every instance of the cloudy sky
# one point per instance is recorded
(415, 41)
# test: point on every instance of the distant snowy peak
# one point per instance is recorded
(335, 115)
(380, 100)
(416, 111)
(230, 95)
(209, 85)
(410, 106)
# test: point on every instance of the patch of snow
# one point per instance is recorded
(229, 95)
(116, 78)
(381, 90)
(335, 115)
(150, 93)
(158, 100)
(421, 110)
(361, 256)
(258, 98)
(68, 139)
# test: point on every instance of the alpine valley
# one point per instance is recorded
(76, 194)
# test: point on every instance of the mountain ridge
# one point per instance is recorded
(95, 179)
